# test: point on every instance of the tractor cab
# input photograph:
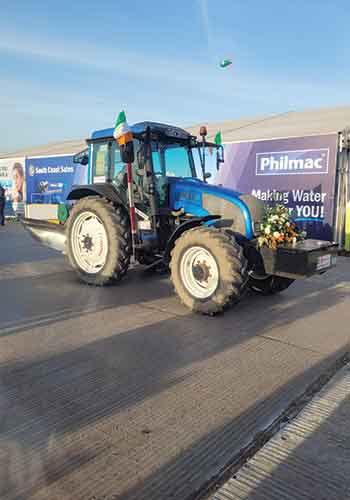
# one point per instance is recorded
(167, 172)
(161, 152)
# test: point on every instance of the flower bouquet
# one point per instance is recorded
(278, 229)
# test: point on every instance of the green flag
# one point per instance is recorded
(218, 138)
(225, 63)
(122, 132)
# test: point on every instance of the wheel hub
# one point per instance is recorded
(89, 242)
(199, 272)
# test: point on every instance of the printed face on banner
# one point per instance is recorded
(12, 178)
(297, 172)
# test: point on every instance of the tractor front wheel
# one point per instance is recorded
(98, 241)
(208, 269)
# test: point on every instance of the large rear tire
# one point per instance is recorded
(208, 269)
(98, 243)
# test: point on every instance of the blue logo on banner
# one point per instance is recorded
(307, 161)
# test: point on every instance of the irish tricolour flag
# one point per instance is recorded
(122, 132)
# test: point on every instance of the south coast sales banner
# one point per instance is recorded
(296, 172)
(50, 179)
(12, 179)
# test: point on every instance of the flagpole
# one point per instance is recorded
(132, 211)
(123, 135)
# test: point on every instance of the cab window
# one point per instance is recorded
(157, 163)
(177, 162)
(100, 161)
(118, 167)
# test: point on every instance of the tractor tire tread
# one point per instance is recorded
(119, 237)
(231, 262)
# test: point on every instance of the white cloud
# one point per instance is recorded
(184, 73)
(148, 85)
(204, 13)
(168, 73)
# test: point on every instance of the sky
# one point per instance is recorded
(68, 67)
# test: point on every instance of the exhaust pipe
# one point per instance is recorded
(46, 233)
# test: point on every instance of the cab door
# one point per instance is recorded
(100, 169)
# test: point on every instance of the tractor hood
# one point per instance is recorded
(199, 199)
(220, 191)
(194, 182)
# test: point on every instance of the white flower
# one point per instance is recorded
(261, 240)
(276, 234)
(267, 230)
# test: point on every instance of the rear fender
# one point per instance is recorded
(102, 189)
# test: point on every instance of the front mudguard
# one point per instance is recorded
(185, 226)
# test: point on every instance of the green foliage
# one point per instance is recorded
(277, 228)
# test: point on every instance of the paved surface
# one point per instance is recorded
(120, 393)
(308, 459)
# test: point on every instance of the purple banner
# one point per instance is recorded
(298, 172)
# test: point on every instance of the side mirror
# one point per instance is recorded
(127, 152)
(207, 175)
(82, 157)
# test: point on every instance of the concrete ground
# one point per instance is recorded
(121, 393)
(308, 459)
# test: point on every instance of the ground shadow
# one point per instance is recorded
(62, 296)
(183, 478)
(65, 393)
(308, 458)
(44, 400)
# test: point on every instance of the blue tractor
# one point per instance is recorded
(163, 212)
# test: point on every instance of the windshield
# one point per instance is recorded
(171, 161)
(177, 162)
(210, 161)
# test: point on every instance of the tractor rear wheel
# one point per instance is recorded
(208, 269)
(98, 243)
